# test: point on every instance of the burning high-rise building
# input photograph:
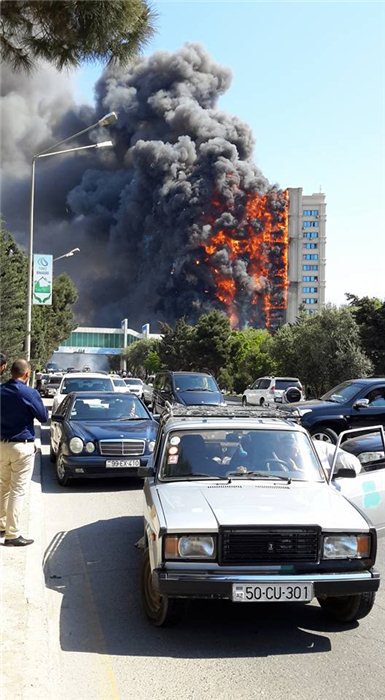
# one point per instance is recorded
(176, 220)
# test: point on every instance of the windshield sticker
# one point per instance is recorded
(172, 450)
(175, 440)
(173, 459)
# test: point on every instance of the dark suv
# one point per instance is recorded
(185, 388)
(356, 403)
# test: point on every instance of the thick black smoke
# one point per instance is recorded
(142, 214)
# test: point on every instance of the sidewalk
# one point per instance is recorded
(24, 641)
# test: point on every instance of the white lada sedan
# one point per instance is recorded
(238, 506)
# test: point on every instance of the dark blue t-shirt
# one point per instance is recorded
(19, 405)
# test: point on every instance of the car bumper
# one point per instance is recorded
(95, 467)
(209, 585)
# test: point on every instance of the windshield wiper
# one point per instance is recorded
(260, 475)
(122, 420)
(197, 476)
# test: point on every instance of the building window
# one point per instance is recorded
(309, 300)
(309, 278)
(310, 290)
(310, 212)
(311, 224)
(310, 245)
(309, 267)
(310, 234)
(310, 256)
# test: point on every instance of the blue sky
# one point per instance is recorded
(309, 79)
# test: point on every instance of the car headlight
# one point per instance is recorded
(90, 447)
(76, 445)
(151, 445)
(346, 547)
(189, 547)
(365, 457)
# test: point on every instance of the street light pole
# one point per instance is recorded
(109, 118)
(67, 255)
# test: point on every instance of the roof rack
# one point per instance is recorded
(229, 411)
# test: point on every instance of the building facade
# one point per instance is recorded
(307, 258)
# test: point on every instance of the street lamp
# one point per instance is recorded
(67, 255)
(109, 118)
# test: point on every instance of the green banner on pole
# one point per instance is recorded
(42, 280)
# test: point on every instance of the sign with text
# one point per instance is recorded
(42, 280)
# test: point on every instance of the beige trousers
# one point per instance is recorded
(16, 466)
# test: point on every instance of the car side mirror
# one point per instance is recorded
(145, 472)
(362, 403)
(345, 473)
(57, 417)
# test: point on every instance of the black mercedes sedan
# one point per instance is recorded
(101, 434)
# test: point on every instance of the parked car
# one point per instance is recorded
(356, 403)
(367, 491)
(228, 515)
(186, 388)
(268, 390)
(81, 381)
(52, 367)
(119, 385)
(135, 385)
(50, 386)
(102, 434)
(41, 380)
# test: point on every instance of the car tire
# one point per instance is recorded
(160, 610)
(348, 608)
(324, 434)
(262, 401)
(61, 475)
(244, 401)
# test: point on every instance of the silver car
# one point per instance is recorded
(238, 506)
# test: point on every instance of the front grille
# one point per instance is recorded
(269, 545)
(121, 448)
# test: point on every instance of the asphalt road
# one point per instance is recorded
(103, 646)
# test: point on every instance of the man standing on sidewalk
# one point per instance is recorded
(19, 405)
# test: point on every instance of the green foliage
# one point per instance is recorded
(141, 357)
(13, 295)
(322, 350)
(369, 314)
(210, 342)
(175, 346)
(67, 32)
(250, 357)
(52, 324)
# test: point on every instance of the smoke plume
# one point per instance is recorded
(175, 220)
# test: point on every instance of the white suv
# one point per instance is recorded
(267, 390)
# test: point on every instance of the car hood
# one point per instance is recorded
(203, 507)
(125, 430)
(311, 404)
(193, 398)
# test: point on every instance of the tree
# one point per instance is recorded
(140, 357)
(67, 32)
(54, 323)
(210, 342)
(249, 357)
(322, 350)
(175, 346)
(13, 294)
(369, 313)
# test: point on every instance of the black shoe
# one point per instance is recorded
(17, 542)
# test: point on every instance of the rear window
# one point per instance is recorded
(285, 383)
(86, 384)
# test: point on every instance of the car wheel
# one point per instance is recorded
(244, 401)
(61, 475)
(160, 609)
(262, 401)
(324, 434)
(348, 608)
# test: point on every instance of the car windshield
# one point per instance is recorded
(342, 393)
(286, 383)
(86, 384)
(194, 382)
(134, 381)
(263, 454)
(111, 408)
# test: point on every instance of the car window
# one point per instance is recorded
(256, 384)
(134, 382)
(264, 384)
(108, 409)
(342, 393)
(119, 382)
(286, 383)
(376, 396)
(86, 384)
(222, 452)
